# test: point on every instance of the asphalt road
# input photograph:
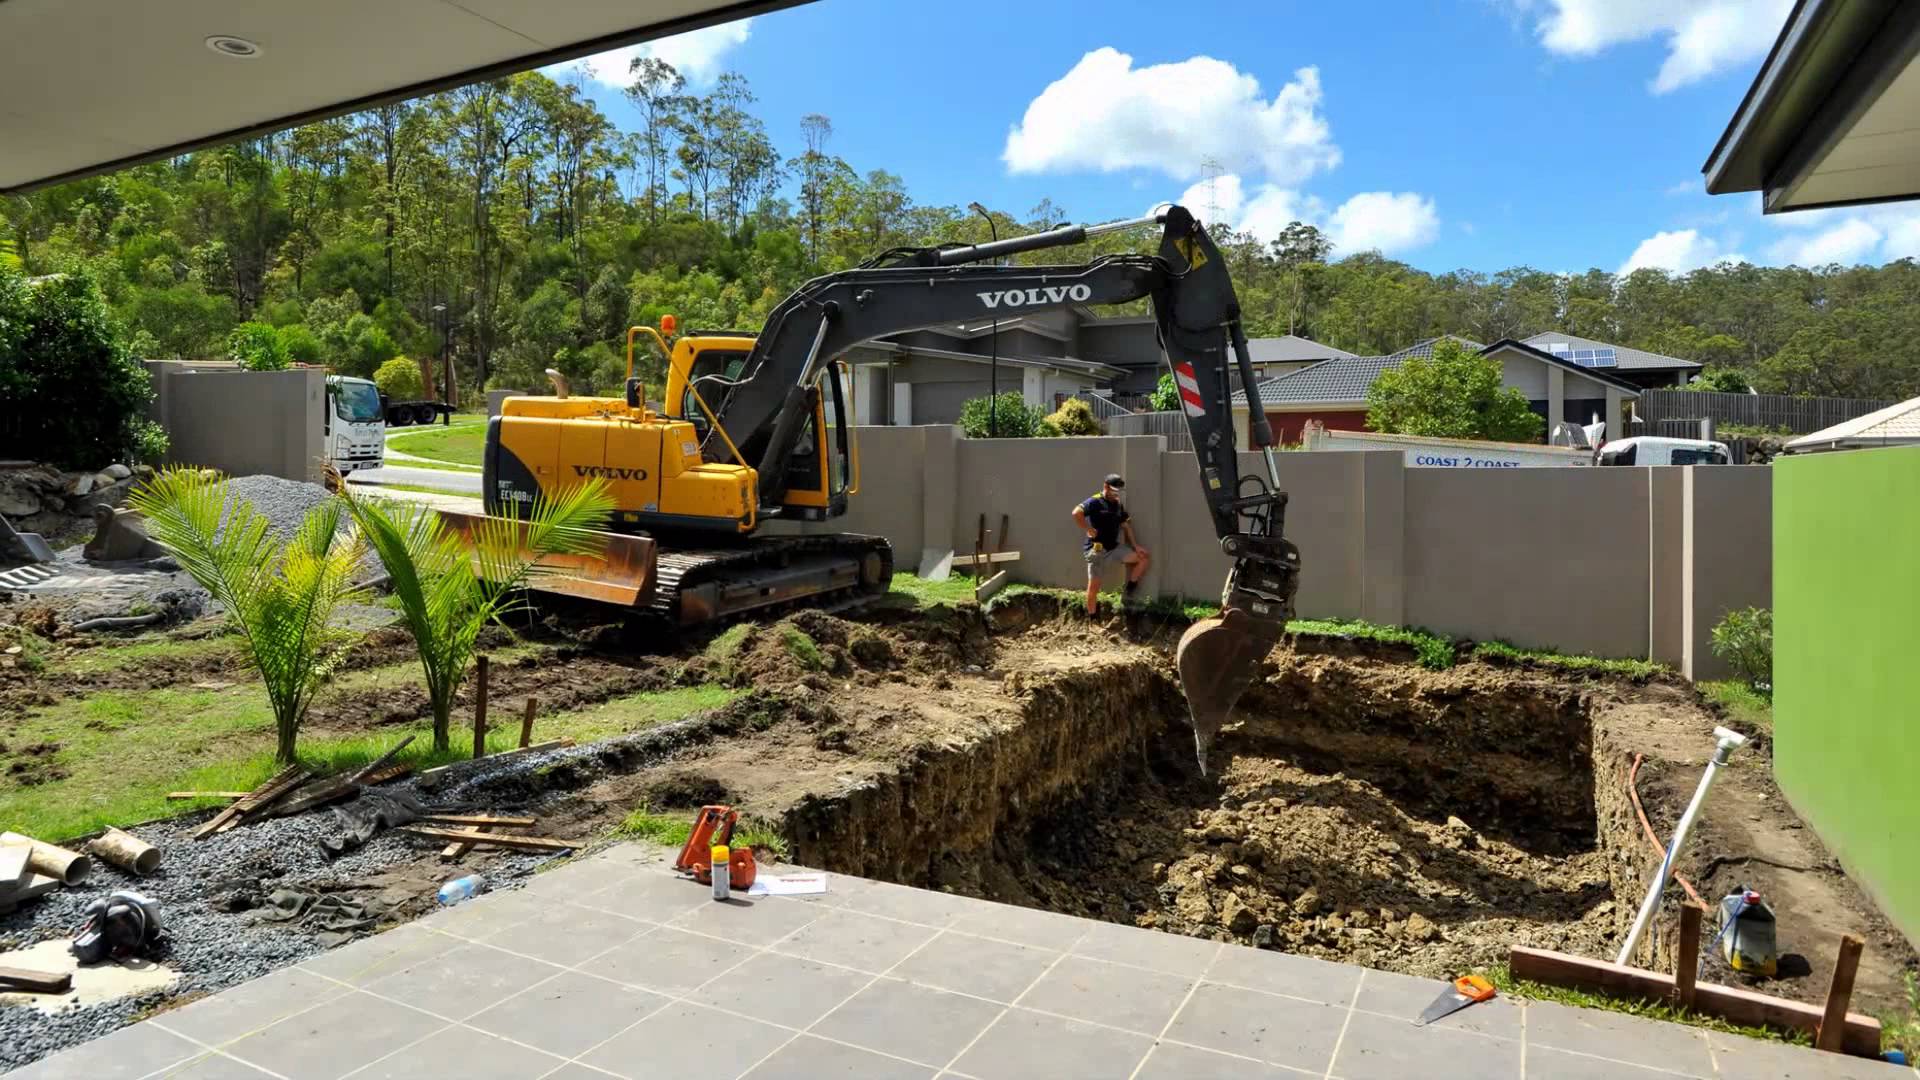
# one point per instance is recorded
(456, 483)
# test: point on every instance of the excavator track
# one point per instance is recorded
(768, 576)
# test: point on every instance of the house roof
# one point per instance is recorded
(1344, 380)
(969, 330)
(1630, 359)
(169, 78)
(1290, 348)
(1895, 424)
(1425, 348)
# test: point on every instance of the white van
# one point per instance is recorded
(1654, 450)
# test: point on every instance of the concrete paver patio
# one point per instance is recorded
(612, 966)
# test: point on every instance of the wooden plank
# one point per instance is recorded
(1861, 1035)
(39, 982)
(475, 836)
(391, 772)
(314, 795)
(1686, 967)
(381, 762)
(526, 723)
(989, 588)
(438, 773)
(208, 794)
(474, 819)
(275, 785)
(481, 667)
(1839, 993)
(988, 557)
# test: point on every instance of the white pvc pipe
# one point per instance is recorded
(1729, 742)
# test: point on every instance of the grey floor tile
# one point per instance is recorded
(582, 876)
(464, 1053)
(783, 989)
(909, 1021)
(1173, 953)
(566, 935)
(130, 1052)
(807, 1057)
(1405, 997)
(1026, 1045)
(668, 960)
(485, 914)
(1110, 994)
(569, 1014)
(683, 1041)
(991, 969)
(1631, 1039)
(251, 1006)
(462, 982)
(1741, 1058)
(1561, 1065)
(928, 907)
(855, 940)
(1383, 1048)
(362, 961)
(335, 1038)
(213, 1067)
(749, 922)
(646, 894)
(1281, 1030)
(1170, 1061)
(1285, 973)
(1023, 926)
(576, 1071)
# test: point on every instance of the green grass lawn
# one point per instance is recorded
(460, 444)
(1744, 705)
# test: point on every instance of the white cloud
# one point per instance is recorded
(699, 55)
(1676, 252)
(1108, 115)
(1270, 209)
(1692, 185)
(1852, 241)
(1703, 37)
(1387, 221)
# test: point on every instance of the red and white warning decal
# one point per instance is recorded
(1189, 388)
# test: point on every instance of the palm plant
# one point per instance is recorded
(279, 595)
(450, 583)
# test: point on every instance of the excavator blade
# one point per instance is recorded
(622, 574)
(1217, 659)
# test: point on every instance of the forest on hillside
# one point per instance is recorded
(512, 223)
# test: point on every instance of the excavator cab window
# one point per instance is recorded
(821, 468)
(725, 363)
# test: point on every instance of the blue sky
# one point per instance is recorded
(1559, 134)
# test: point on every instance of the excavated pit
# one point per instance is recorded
(1361, 810)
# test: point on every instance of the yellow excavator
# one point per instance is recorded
(756, 428)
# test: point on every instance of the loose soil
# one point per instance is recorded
(1361, 808)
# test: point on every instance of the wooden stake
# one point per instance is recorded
(1833, 1020)
(380, 762)
(526, 723)
(480, 709)
(1687, 967)
(475, 836)
(207, 794)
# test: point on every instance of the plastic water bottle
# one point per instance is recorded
(460, 889)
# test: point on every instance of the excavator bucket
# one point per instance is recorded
(622, 574)
(1217, 659)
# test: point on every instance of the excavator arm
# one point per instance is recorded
(1198, 319)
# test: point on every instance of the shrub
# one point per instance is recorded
(399, 378)
(1075, 417)
(1744, 639)
(303, 345)
(71, 392)
(1165, 396)
(150, 442)
(1012, 419)
(257, 347)
(371, 347)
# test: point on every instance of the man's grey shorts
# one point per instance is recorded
(1098, 559)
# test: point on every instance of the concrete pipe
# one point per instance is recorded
(126, 851)
(70, 867)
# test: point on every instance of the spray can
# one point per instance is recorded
(722, 871)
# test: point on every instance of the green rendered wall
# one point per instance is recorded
(1846, 661)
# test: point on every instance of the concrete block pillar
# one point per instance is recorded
(1667, 513)
(1614, 428)
(1383, 501)
(940, 490)
(1556, 396)
(1141, 464)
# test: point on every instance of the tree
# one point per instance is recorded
(258, 347)
(71, 391)
(655, 90)
(1454, 395)
(448, 592)
(399, 378)
(1074, 417)
(815, 172)
(279, 595)
(1012, 418)
(1720, 380)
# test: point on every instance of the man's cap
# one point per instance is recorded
(1113, 480)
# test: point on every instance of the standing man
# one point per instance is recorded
(1106, 522)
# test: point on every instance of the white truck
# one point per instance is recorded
(1435, 453)
(354, 424)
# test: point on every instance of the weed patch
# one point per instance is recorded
(1502, 652)
(673, 829)
(802, 648)
(1748, 709)
(1435, 651)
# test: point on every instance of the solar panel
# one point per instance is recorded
(1590, 357)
